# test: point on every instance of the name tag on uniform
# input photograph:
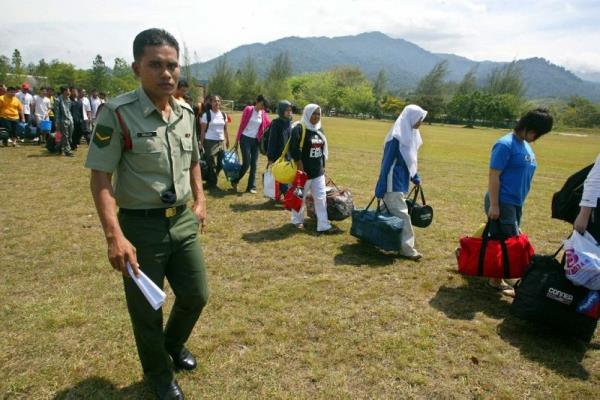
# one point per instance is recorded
(146, 134)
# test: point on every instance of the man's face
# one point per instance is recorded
(83, 93)
(10, 93)
(94, 94)
(73, 93)
(158, 70)
(44, 93)
(66, 93)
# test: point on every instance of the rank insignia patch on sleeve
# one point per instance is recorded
(102, 135)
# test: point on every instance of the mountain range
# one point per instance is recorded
(403, 62)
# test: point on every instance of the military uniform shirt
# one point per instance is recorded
(161, 154)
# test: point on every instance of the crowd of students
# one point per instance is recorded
(72, 112)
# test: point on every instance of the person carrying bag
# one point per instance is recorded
(398, 168)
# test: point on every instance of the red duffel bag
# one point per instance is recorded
(493, 257)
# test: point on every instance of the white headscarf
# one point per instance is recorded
(305, 120)
(409, 138)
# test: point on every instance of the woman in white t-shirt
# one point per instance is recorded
(252, 126)
(213, 139)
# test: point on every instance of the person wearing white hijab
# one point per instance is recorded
(311, 154)
(398, 168)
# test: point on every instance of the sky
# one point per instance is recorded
(566, 32)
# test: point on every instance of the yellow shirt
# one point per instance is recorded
(10, 107)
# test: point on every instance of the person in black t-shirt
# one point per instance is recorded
(311, 153)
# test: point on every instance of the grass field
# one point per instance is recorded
(292, 315)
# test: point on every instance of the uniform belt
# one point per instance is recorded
(155, 212)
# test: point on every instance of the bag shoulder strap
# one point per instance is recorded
(208, 118)
(286, 148)
(302, 136)
(127, 143)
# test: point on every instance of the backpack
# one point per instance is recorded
(565, 202)
(263, 145)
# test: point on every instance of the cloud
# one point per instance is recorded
(563, 31)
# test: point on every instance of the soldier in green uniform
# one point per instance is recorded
(64, 120)
(144, 160)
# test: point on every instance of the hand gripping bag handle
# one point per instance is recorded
(486, 237)
(414, 192)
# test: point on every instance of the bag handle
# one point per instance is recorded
(413, 192)
(379, 201)
(329, 180)
(485, 239)
(420, 189)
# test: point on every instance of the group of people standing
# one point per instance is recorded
(72, 113)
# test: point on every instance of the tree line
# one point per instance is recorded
(498, 100)
(115, 80)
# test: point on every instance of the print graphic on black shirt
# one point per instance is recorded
(316, 147)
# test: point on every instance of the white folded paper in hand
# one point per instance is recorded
(155, 296)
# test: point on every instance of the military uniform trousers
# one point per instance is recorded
(213, 151)
(66, 130)
(166, 247)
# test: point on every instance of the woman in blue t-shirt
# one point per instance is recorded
(512, 165)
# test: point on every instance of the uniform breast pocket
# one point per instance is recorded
(148, 154)
(186, 152)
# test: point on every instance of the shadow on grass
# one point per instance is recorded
(268, 205)
(219, 193)
(44, 154)
(542, 345)
(359, 254)
(100, 388)
(271, 235)
(466, 301)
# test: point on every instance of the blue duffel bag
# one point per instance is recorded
(381, 229)
(231, 164)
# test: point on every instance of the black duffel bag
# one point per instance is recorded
(421, 215)
(545, 295)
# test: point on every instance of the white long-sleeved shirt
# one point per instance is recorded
(591, 187)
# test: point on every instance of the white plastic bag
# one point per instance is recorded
(155, 296)
(269, 185)
(583, 260)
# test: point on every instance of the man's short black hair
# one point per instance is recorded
(538, 120)
(63, 89)
(183, 83)
(152, 37)
(11, 88)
